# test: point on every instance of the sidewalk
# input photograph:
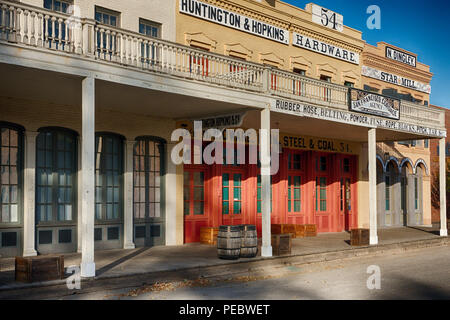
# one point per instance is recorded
(125, 263)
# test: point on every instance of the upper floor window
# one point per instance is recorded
(325, 78)
(107, 17)
(371, 89)
(349, 84)
(299, 71)
(150, 28)
(57, 5)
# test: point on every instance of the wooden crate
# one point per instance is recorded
(208, 235)
(300, 230)
(283, 229)
(281, 244)
(310, 230)
(359, 237)
(41, 268)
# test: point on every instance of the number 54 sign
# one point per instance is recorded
(327, 18)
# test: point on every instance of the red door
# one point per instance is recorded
(233, 192)
(296, 188)
(323, 202)
(195, 211)
(347, 193)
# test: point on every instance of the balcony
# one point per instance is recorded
(32, 27)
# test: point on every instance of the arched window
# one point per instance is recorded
(11, 146)
(56, 168)
(108, 177)
(148, 168)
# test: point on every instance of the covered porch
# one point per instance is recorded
(121, 263)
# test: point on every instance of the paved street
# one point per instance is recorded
(419, 274)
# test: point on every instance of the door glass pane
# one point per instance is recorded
(147, 169)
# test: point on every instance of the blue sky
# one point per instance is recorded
(421, 27)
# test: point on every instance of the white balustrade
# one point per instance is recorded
(31, 26)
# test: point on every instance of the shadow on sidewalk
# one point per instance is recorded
(126, 258)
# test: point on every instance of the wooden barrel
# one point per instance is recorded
(229, 242)
(249, 241)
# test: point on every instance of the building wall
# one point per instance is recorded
(375, 57)
(434, 145)
(228, 41)
(160, 11)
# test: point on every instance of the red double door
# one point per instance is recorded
(310, 188)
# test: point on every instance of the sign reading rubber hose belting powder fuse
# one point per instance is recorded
(233, 20)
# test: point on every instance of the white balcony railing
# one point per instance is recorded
(36, 27)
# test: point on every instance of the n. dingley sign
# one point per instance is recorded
(394, 79)
(401, 56)
(311, 44)
(362, 120)
(375, 104)
(233, 20)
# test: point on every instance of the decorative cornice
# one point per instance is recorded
(375, 61)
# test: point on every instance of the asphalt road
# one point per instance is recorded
(419, 274)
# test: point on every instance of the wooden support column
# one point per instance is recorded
(372, 142)
(128, 242)
(442, 187)
(29, 217)
(88, 177)
(266, 249)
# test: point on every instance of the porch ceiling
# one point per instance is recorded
(65, 90)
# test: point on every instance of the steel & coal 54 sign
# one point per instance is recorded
(375, 104)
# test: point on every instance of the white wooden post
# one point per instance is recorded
(266, 249)
(442, 187)
(373, 186)
(88, 177)
(29, 221)
(128, 197)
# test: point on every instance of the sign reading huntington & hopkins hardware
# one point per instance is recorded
(375, 104)
(234, 20)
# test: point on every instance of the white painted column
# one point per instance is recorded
(79, 198)
(128, 197)
(29, 221)
(266, 248)
(442, 187)
(88, 177)
(171, 198)
(373, 186)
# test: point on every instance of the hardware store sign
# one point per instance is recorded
(352, 118)
(375, 104)
(234, 20)
(311, 44)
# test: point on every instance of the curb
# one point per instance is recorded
(296, 259)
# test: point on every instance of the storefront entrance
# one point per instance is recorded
(310, 188)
